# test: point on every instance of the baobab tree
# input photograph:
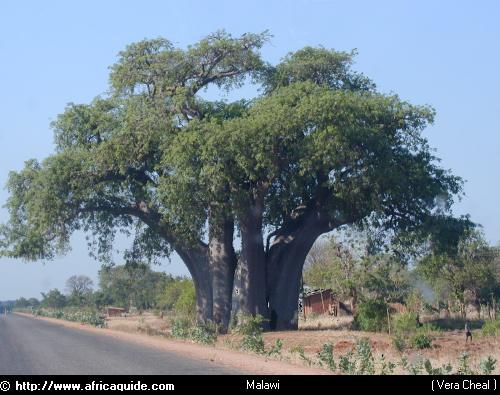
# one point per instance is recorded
(318, 149)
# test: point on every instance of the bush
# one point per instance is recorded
(464, 365)
(420, 340)
(399, 343)
(186, 304)
(82, 316)
(386, 367)
(405, 323)
(365, 357)
(204, 334)
(299, 349)
(487, 365)
(178, 295)
(445, 369)
(371, 316)
(491, 328)
(251, 329)
(181, 327)
(326, 356)
(275, 348)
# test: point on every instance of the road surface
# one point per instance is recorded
(31, 346)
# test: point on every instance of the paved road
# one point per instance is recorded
(30, 346)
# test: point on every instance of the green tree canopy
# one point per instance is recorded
(319, 148)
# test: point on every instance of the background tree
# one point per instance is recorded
(132, 285)
(79, 288)
(354, 275)
(53, 299)
(470, 269)
(33, 302)
(21, 303)
(178, 297)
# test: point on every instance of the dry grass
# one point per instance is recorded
(323, 322)
(146, 322)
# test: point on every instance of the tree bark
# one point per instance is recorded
(250, 285)
(196, 260)
(222, 258)
(285, 261)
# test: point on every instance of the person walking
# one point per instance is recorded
(468, 332)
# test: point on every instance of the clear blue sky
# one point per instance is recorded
(443, 53)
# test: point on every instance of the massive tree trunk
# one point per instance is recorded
(196, 260)
(222, 260)
(250, 285)
(285, 261)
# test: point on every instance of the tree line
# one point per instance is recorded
(126, 286)
(318, 148)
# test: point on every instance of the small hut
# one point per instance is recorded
(114, 311)
(322, 301)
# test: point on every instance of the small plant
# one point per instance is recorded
(404, 362)
(251, 329)
(417, 367)
(204, 334)
(487, 365)
(365, 357)
(385, 366)
(300, 350)
(445, 369)
(325, 356)
(308, 361)
(346, 363)
(180, 328)
(420, 341)
(413, 369)
(275, 348)
(399, 343)
(464, 364)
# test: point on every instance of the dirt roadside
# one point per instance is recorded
(253, 364)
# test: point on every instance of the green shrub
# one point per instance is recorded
(299, 349)
(251, 329)
(445, 369)
(487, 365)
(186, 304)
(82, 316)
(386, 367)
(346, 363)
(179, 295)
(405, 323)
(275, 348)
(204, 334)
(464, 365)
(420, 340)
(399, 343)
(180, 327)
(325, 356)
(371, 315)
(412, 368)
(491, 328)
(365, 357)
